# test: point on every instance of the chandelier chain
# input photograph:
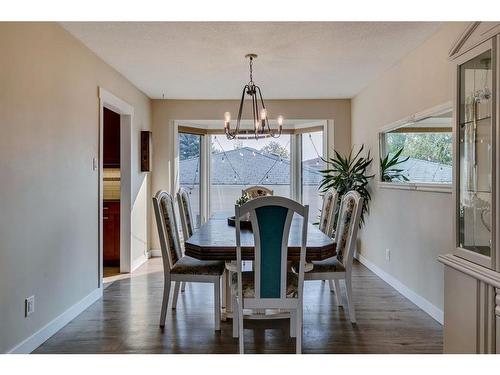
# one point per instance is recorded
(251, 70)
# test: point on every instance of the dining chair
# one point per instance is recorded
(328, 210)
(327, 221)
(178, 268)
(257, 191)
(339, 267)
(186, 215)
(270, 285)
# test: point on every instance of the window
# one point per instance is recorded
(215, 170)
(238, 164)
(189, 171)
(311, 164)
(425, 147)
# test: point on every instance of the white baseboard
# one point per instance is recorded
(136, 263)
(417, 299)
(155, 252)
(42, 335)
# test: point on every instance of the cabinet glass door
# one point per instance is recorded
(475, 154)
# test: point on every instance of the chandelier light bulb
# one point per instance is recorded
(263, 114)
(280, 121)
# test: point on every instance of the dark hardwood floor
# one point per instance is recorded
(126, 319)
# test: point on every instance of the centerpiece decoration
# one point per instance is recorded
(245, 223)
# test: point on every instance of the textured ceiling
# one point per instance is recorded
(297, 60)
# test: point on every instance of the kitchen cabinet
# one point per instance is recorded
(111, 233)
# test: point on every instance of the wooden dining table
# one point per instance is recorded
(216, 240)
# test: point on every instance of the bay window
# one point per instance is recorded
(215, 170)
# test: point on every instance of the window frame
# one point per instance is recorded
(416, 186)
(205, 158)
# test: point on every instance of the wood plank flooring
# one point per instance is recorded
(126, 319)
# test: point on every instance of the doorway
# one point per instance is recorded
(122, 222)
(111, 193)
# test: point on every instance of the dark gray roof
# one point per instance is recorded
(252, 167)
(418, 170)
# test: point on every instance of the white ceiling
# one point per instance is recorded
(297, 60)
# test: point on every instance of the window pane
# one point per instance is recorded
(189, 171)
(238, 164)
(475, 154)
(312, 151)
(429, 155)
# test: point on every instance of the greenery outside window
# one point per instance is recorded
(418, 151)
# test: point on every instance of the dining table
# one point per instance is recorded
(216, 240)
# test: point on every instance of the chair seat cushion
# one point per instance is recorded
(328, 265)
(191, 266)
(292, 289)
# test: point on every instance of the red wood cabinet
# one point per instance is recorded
(111, 233)
(111, 138)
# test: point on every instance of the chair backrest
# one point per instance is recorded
(168, 232)
(257, 191)
(185, 212)
(347, 227)
(328, 210)
(271, 218)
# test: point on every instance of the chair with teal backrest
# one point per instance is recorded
(270, 285)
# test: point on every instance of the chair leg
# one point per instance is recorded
(350, 302)
(235, 317)
(240, 329)
(164, 303)
(217, 304)
(183, 286)
(338, 292)
(332, 287)
(176, 294)
(293, 323)
(298, 339)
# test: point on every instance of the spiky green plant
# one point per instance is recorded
(388, 172)
(346, 173)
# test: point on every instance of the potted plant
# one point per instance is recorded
(346, 173)
(388, 172)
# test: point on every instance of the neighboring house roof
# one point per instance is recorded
(418, 170)
(251, 166)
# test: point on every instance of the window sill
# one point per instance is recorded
(417, 186)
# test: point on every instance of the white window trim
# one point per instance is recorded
(415, 186)
(295, 164)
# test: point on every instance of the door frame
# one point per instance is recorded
(126, 112)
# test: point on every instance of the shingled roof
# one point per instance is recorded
(252, 167)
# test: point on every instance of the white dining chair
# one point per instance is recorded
(186, 214)
(270, 285)
(257, 191)
(339, 267)
(327, 221)
(328, 210)
(178, 268)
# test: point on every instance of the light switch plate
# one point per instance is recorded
(29, 306)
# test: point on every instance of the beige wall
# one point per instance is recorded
(166, 111)
(49, 111)
(415, 226)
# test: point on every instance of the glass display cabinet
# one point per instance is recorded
(471, 303)
(475, 155)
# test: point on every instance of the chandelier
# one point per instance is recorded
(259, 112)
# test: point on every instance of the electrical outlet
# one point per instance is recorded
(387, 255)
(29, 306)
